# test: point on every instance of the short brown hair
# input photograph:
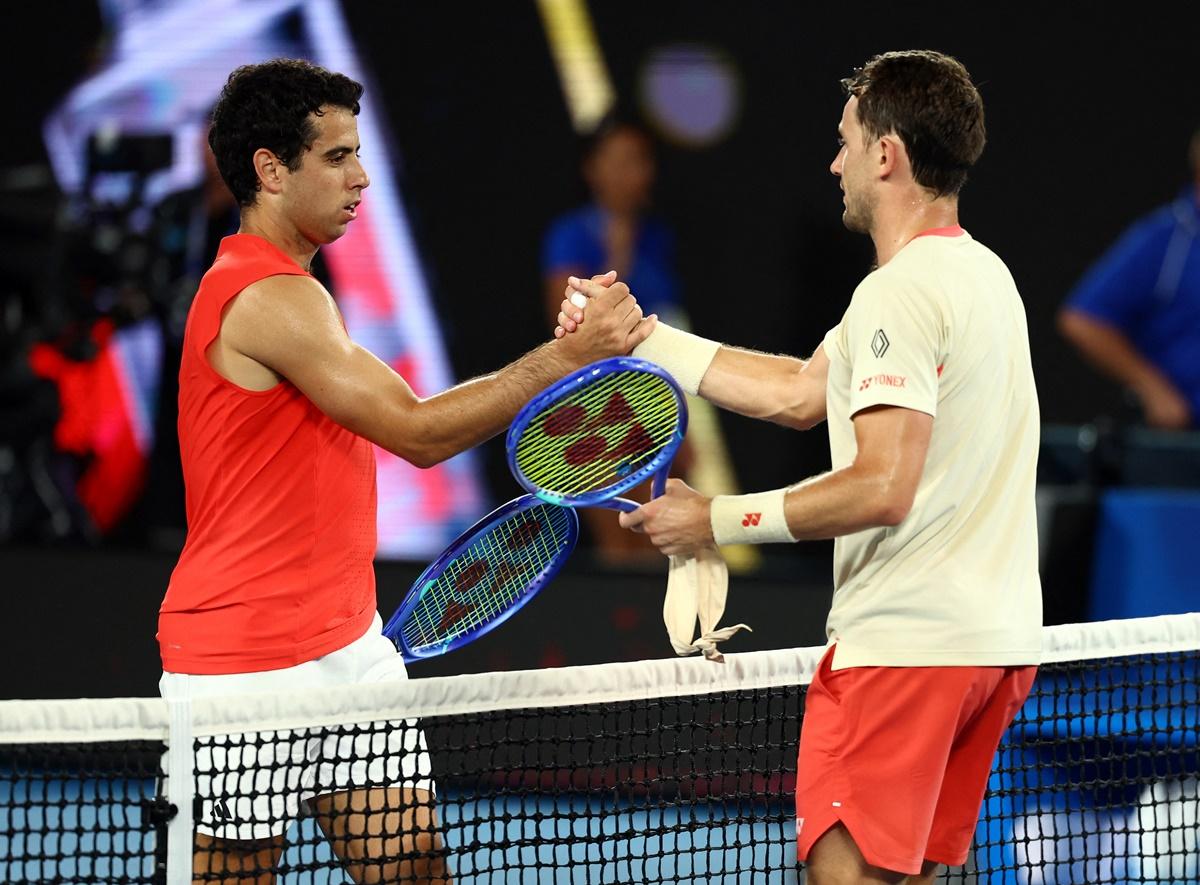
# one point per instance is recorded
(928, 100)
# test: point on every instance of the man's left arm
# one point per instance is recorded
(877, 489)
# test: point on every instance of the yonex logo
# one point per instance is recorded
(884, 381)
(879, 344)
(752, 519)
(455, 612)
(617, 413)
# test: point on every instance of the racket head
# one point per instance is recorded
(484, 577)
(598, 432)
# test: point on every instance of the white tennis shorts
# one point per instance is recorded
(252, 786)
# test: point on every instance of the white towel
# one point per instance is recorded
(696, 588)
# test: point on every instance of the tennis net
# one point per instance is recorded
(654, 771)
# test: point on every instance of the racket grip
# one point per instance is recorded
(579, 300)
(660, 481)
(624, 505)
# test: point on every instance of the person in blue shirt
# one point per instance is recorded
(615, 231)
(1135, 315)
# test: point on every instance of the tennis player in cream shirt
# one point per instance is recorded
(940, 329)
(928, 391)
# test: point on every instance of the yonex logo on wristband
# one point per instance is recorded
(758, 518)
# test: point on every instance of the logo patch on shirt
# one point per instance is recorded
(884, 381)
(880, 343)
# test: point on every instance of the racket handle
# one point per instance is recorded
(579, 300)
(624, 505)
(660, 481)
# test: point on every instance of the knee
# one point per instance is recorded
(428, 858)
(835, 859)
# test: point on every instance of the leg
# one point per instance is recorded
(232, 862)
(969, 767)
(873, 753)
(836, 860)
(384, 835)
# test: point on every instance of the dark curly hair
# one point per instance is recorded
(268, 106)
(928, 100)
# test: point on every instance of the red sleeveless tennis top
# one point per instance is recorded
(277, 568)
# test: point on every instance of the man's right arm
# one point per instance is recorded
(290, 325)
(1115, 295)
(782, 389)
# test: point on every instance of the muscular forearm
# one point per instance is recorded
(766, 386)
(782, 389)
(877, 489)
(472, 412)
(843, 502)
(426, 431)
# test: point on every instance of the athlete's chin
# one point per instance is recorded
(330, 234)
(855, 224)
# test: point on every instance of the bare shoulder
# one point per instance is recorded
(278, 318)
(285, 294)
(279, 304)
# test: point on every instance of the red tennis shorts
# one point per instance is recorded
(901, 756)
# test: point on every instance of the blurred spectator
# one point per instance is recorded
(616, 232)
(1136, 314)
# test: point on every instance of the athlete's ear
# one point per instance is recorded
(269, 170)
(891, 154)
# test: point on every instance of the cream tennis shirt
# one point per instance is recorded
(941, 329)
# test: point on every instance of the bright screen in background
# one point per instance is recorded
(168, 63)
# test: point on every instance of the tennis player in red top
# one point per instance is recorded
(278, 409)
(927, 390)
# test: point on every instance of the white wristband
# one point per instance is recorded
(686, 356)
(750, 519)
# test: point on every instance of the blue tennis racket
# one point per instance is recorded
(597, 433)
(484, 577)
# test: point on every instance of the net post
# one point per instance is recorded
(181, 791)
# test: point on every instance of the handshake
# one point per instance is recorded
(615, 322)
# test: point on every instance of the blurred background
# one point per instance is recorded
(686, 144)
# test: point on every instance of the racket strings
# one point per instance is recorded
(598, 436)
(485, 579)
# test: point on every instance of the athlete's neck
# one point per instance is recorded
(897, 224)
(280, 234)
